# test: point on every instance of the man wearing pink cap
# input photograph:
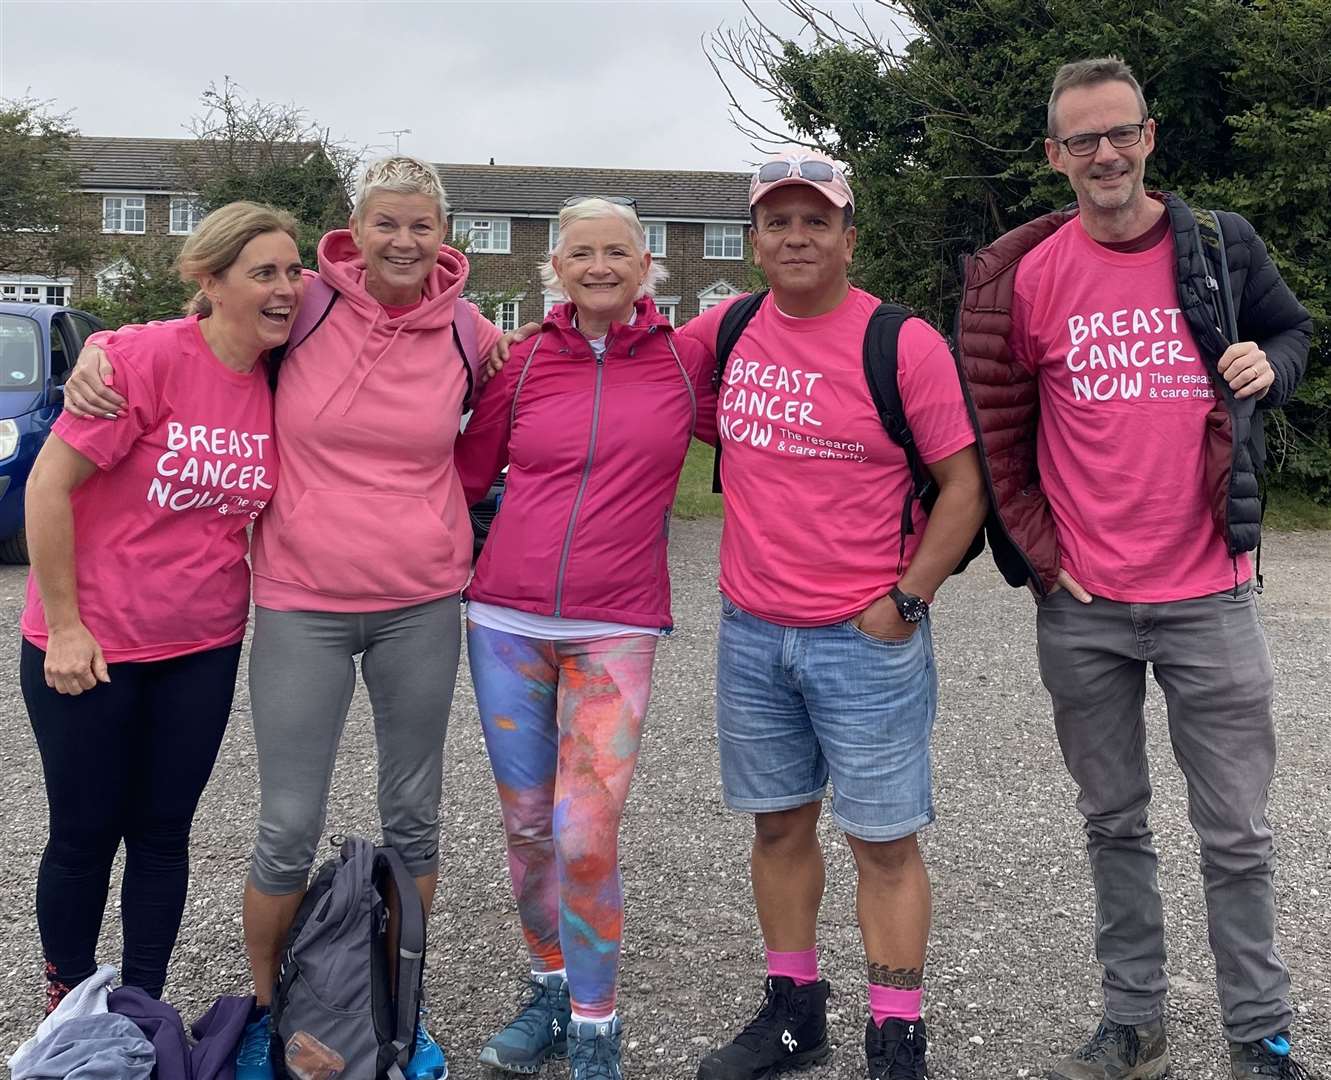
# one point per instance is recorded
(825, 662)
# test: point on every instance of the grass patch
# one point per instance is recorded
(1292, 510)
(694, 498)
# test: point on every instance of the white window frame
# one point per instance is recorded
(123, 205)
(192, 211)
(554, 233)
(480, 230)
(549, 299)
(669, 307)
(53, 292)
(508, 314)
(716, 234)
(647, 227)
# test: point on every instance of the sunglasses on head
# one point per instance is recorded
(820, 172)
(618, 200)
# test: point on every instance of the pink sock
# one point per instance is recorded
(886, 1001)
(800, 966)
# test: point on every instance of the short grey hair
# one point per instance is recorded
(1100, 69)
(401, 175)
(587, 210)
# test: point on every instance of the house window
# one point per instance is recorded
(723, 242)
(57, 295)
(185, 216)
(31, 294)
(554, 233)
(656, 238)
(551, 299)
(506, 317)
(668, 306)
(123, 214)
(39, 290)
(485, 234)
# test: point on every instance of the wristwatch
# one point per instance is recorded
(910, 607)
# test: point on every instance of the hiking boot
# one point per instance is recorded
(427, 1057)
(593, 1050)
(538, 1032)
(254, 1056)
(788, 1033)
(1118, 1052)
(1265, 1057)
(896, 1050)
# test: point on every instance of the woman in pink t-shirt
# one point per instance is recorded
(139, 594)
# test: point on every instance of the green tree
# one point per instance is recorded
(38, 197)
(245, 148)
(145, 287)
(942, 120)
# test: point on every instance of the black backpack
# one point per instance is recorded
(348, 991)
(880, 372)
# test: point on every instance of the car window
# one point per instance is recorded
(83, 324)
(20, 353)
(63, 353)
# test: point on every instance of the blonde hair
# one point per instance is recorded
(588, 210)
(219, 240)
(402, 175)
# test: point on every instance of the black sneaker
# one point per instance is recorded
(789, 1033)
(1265, 1057)
(896, 1050)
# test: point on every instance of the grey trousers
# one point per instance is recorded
(1210, 658)
(302, 677)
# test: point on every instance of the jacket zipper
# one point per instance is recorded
(582, 485)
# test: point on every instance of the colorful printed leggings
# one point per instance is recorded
(563, 723)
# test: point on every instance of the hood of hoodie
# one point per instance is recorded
(342, 266)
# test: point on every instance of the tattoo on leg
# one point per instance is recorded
(896, 978)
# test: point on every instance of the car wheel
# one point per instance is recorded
(15, 549)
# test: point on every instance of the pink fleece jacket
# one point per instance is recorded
(594, 450)
(370, 513)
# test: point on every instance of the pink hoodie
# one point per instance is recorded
(370, 514)
(594, 450)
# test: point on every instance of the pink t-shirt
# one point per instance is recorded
(814, 487)
(1124, 394)
(159, 530)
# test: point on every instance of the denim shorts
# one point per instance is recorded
(796, 706)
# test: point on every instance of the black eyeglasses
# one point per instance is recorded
(1088, 142)
(820, 172)
(618, 200)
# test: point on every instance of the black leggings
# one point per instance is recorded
(127, 761)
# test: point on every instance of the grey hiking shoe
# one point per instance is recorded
(1118, 1052)
(1265, 1058)
(593, 1050)
(538, 1032)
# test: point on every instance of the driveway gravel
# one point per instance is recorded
(1012, 980)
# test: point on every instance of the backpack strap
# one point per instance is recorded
(1212, 243)
(410, 948)
(880, 372)
(465, 315)
(738, 315)
(315, 305)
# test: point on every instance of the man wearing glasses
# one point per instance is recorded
(1120, 365)
(825, 663)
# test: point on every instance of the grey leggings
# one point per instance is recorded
(302, 677)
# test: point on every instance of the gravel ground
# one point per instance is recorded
(1012, 980)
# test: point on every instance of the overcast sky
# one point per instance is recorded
(560, 83)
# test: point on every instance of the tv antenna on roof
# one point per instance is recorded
(397, 134)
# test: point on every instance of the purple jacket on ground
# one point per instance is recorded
(216, 1033)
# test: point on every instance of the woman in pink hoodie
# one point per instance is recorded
(570, 596)
(364, 549)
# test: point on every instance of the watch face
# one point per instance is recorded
(911, 608)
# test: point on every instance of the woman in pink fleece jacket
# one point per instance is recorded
(364, 549)
(569, 598)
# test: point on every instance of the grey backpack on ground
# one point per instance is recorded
(348, 991)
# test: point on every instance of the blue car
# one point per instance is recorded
(38, 347)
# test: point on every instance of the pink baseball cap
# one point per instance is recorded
(799, 165)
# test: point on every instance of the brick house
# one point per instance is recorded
(133, 196)
(696, 223)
